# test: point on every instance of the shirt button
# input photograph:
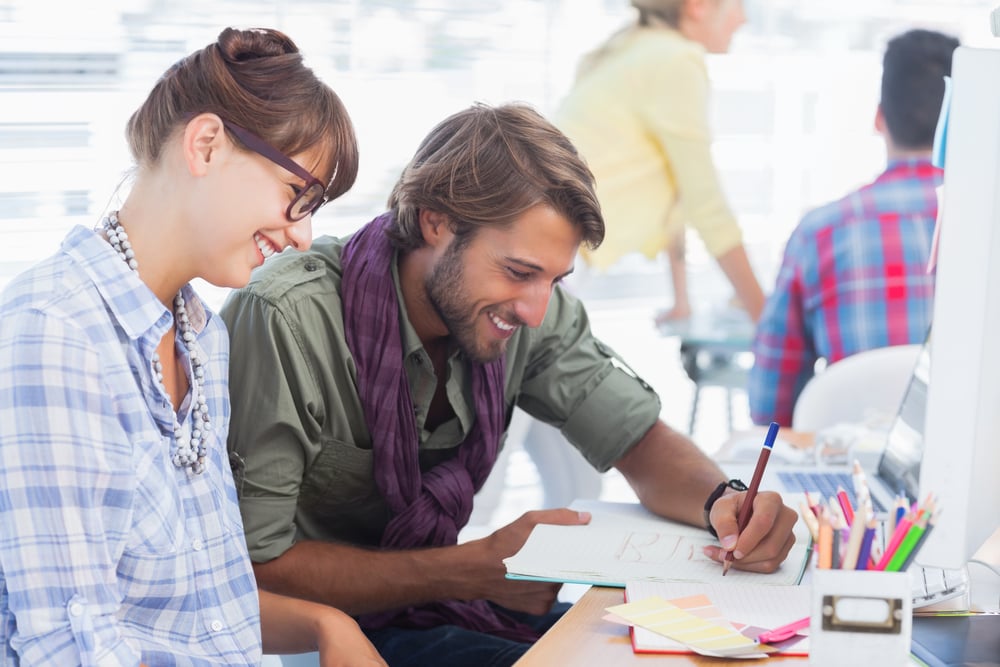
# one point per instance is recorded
(216, 626)
(75, 609)
(196, 544)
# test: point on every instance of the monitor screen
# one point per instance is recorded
(899, 466)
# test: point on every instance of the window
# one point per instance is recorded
(792, 104)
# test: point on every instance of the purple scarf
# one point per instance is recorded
(428, 509)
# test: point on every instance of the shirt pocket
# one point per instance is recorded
(158, 517)
(342, 473)
(339, 491)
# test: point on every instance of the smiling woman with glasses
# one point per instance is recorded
(114, 395)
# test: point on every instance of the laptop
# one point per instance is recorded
(892, 473)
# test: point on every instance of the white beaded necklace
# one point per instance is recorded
(189, 449)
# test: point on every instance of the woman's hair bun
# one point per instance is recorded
(237, 45)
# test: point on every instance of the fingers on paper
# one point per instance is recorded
(756, 552)
(769, 527)
(560, 517)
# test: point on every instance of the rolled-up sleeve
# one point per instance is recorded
(579, 384)
(274, 421)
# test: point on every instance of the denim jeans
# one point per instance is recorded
(452, 646)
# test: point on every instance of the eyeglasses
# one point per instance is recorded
(309, 198)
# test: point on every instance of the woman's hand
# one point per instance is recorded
(341, 642)
(291, 625)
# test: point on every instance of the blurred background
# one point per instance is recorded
(793, 106)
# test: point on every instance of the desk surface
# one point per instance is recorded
(731, 329)
(582, 637)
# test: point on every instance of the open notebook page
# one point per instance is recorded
(625, 542)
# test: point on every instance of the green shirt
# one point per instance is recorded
(300, 447)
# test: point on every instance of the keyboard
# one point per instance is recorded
(825, 483)
(932, 585)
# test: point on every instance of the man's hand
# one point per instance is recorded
(764, 543)
(533, 597)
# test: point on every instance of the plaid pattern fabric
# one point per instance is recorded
(108, 552)
(853, 278)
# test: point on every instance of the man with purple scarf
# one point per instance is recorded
(373, 379)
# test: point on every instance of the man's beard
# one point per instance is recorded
(446, 294)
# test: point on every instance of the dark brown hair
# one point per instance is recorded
(485, 166)
(913, 70)
(254, 79)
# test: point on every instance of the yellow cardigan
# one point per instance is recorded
(640, 119)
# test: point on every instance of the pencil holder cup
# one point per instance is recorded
(860, 617)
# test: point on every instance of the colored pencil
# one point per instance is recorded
(747, 508)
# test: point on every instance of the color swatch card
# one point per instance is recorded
(691, 622)
(748, 608)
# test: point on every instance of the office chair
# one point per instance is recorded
(856, 389)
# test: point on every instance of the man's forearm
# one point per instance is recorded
(360, 581)
(670, 475)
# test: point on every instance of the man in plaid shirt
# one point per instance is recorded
(854, 274)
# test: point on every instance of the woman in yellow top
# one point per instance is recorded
(638, 113)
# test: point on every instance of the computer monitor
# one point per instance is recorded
(961, 461)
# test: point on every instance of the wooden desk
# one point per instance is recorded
(582, 638)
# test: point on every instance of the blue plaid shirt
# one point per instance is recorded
(853, 278)
(108, 553)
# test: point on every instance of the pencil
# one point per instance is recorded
(747, 508)
(920, 541)
(902, 528)
(862, 494)
(906, 547)
(899, 512)
(845, 505)
(864, 553)
(838, 535)
(858, 528)
(809, 518)
(837, 517)
(813, 506)
(825, 543)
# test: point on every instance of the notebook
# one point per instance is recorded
(626, 542)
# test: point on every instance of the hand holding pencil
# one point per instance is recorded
(746, 509)
(754, 529)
